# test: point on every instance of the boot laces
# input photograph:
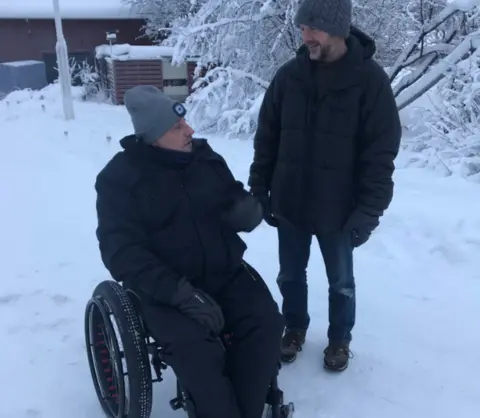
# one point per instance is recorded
(293, 339)
(336, 349)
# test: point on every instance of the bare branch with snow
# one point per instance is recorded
(469, 45)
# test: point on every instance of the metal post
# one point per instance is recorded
(63, 65)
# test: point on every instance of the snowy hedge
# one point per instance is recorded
(451, 141)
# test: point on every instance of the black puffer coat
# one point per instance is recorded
(327, 138)
(161, 217)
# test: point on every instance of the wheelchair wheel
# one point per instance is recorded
(118, 356)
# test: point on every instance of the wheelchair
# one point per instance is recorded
(121, 355)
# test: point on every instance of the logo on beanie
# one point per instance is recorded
(179, 109)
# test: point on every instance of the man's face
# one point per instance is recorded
(178, 138)
(320, 44)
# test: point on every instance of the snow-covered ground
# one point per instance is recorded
(418, 282)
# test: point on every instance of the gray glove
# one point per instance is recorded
(245, 214)
(199, 306)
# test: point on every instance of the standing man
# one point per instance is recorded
(328, 134)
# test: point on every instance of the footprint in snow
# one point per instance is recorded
(52, 325)
(10, 299)
(60, 299)
(40, 327)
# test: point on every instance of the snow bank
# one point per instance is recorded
(70, 9)
(50, 93)
(133, 52)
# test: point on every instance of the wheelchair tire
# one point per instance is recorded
(107, 360)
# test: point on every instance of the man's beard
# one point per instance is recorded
(319, 52)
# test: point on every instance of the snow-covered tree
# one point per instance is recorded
(441, 42)
(160, 13)
(392, 23)
(450, 138)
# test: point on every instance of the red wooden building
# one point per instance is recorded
(27, 29)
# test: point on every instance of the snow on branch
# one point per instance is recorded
(428, 27)
(450, 131)
(470, 43)
(221, 22)
(442, 40)
(436, 50)
(226, 100)
(465, 5)
(423, 61)
(207, 26)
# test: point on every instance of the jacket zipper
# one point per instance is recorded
(248, 271)
(229, 255)
(204, 261)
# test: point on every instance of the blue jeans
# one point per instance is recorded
(337, 252)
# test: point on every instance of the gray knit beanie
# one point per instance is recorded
(153, 113)
(331, 16)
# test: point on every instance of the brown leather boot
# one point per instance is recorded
(337, 356)
(292, 343)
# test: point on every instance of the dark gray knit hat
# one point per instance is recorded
(153, 113)
(331, 16)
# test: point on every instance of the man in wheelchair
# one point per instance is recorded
(169, 213)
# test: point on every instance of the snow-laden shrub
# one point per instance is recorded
(227, 100)
(84, 74)
(452, 138)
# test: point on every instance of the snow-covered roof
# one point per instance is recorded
(125, 52)
(69, 9)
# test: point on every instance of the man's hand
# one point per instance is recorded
(199, 306)
(360, 225)
(245, 214)
(268, 217)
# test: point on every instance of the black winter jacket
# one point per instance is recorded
(161, 216)
(326, 140)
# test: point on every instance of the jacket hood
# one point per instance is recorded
(365, 41)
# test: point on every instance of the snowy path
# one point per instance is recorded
(418, 284)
